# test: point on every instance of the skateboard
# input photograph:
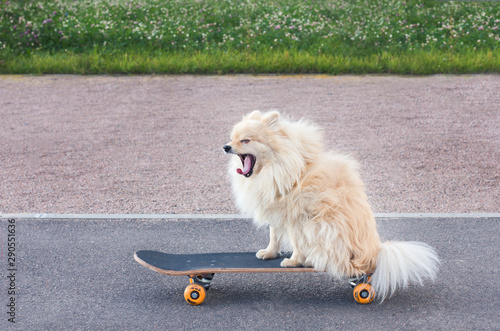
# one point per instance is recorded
(201, 268)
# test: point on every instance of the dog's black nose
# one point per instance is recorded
(227, 148)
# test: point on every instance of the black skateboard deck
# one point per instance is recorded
(201, 269)
(189, 264)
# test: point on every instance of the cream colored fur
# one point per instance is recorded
(316, 201)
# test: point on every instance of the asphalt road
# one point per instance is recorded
(81, 275)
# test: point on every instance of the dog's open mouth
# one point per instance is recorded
(248, 161)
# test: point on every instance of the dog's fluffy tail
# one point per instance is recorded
(400, 263)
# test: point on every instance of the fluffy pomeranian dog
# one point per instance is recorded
(316, 201)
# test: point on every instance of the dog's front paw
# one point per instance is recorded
(265, 254)
(289, 263)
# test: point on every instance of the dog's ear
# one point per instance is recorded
(255, 115)
(271, 119)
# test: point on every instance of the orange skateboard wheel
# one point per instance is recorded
(194, 294)
(364, 293)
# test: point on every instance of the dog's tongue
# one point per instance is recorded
(247, 164)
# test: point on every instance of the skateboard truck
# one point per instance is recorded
(195, 293)
(363, 291)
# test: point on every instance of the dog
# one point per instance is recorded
(315, 200)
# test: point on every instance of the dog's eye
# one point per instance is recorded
(245, 141)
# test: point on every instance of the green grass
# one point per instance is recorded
(260, 36)
(282, 62)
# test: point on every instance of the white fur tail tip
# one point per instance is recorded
(401, 263)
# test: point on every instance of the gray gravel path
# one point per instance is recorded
(153, 144)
